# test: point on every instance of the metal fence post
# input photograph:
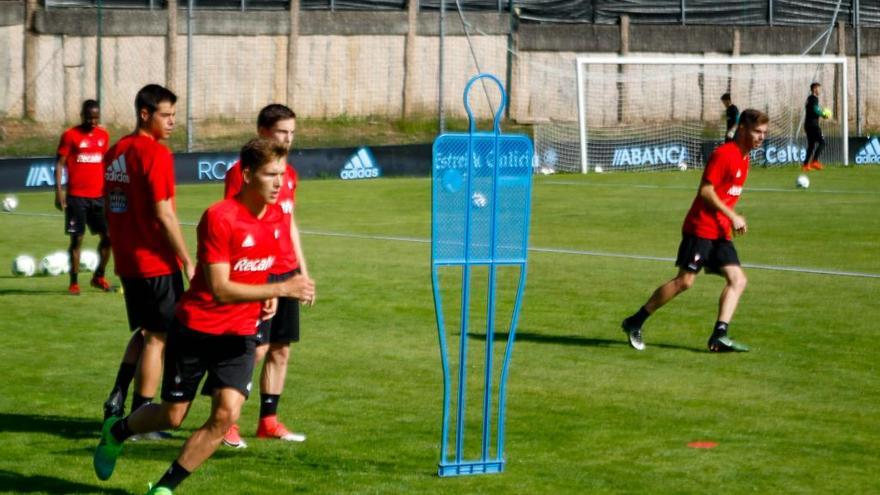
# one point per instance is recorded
(189, 74)
(857, 22)
(99, 69)
(442, 116)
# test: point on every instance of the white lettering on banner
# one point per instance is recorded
(257, 265)
(360, 166)
(656, 155)
(785, 154)
(43, 175)
(870, 153)
(735, 191)
(216, 170)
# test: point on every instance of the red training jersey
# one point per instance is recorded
(286, 261)
(727, 171)
(83, 154)
(229, 233)
(139, 172)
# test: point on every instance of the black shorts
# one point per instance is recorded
(227, 359)
(81, 212)
(283, 328)
(695, 253)
(150, 302)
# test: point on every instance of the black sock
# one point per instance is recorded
(124, 377)
(137, 400)
(173, 477)
(640, 316)
(121, 431)
(720, 329)
(73, 277)
(98, 273)
(269, 404)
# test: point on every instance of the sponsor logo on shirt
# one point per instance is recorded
(650, 155)
(117, 171)
(739, 173)
(248, 241)
(257, 265)
(870, 153)
(89, 158)
(361, 165)
(118, 200)
(735, 191)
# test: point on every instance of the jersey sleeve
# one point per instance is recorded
(295, 178)
(64, 144)
(232, 182)
(214, 234)
(160, 176)
(714, 173)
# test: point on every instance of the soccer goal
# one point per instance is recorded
(655, 113)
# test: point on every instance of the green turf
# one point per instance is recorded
(800, 413)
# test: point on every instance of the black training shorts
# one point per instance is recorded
(150, 302)
(695, 253)
(227, 359)
(82, 212)
(283, 328)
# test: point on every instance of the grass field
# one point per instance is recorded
(585, 413)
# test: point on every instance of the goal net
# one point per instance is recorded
(656, 113)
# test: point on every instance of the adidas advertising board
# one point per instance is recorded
(361, 165)
(869, 153)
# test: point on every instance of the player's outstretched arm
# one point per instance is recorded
(171, 226)
(707, 193)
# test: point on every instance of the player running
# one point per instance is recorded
(81, 151)
(815, 141)
(276, 122)
(149, 246)
(216, 320)
(706, 235)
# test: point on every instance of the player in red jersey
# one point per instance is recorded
(276, 122)
(81, 152)
(706, 235)
(148, 243)
(216, 320)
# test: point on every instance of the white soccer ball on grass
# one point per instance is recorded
(10, 203)
(88, 260)
(803, 182)
(24, 266)
(55, 264)
(683, 166)
(598, 169)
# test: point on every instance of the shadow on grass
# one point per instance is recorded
(32, 292)
(577, 341)
(66, 427)
(20, 483)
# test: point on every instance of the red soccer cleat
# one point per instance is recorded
(73, 289)
(270, 427)
(233, 439)
(816, 165)
(100, 283)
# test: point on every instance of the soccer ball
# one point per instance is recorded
(10, 203)
(803, 181)
(54, 264)
(683, 166)
(479, 200)
(598, 169)
(88, 260)
(23, 266)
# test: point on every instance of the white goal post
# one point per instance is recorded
(655, 112)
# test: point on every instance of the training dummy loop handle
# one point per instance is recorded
(472, 123)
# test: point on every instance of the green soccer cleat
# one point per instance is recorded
(726, 344)
(159, 490)
(107, 451)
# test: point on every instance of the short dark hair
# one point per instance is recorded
(150, 96)
(725, 97)
(271, 114)
(751, 118)
(260, 151)
(88, 105)
(814, 85)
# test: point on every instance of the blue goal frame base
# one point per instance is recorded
(465, 468)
